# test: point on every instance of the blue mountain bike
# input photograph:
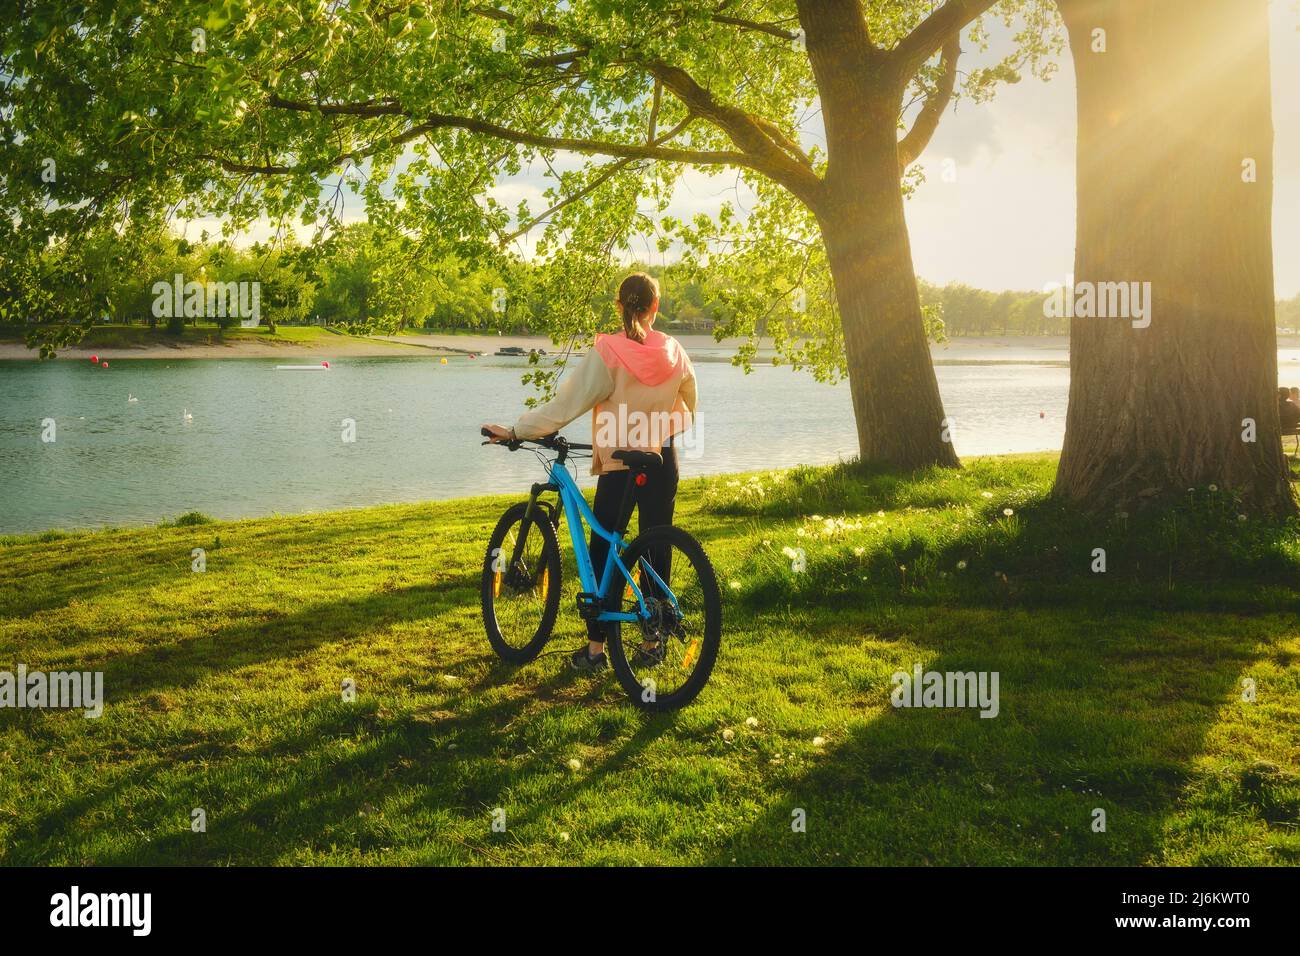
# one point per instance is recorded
(658, 595)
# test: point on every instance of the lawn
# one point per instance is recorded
(1120, 691)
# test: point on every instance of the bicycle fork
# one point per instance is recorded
(548, 512)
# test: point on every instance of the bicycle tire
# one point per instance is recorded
(711, 638)
(539, 523)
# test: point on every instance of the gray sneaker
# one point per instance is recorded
(581, 660)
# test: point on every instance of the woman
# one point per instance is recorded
(1288, 410)
(640, 388)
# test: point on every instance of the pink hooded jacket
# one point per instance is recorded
(640, 395)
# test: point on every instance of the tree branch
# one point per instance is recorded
(785, 142)
(367, 108)
(763, 147)
(760, 149)
(588, 147)
(429, 124)
(600, 179)
(933, 32)
(769, 28)
(654, 112)
(537, 27)
(766, 148)
(555, 59)
(927, 121)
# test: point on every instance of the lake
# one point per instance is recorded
(262, 441)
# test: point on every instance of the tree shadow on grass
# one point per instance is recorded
(1097, 711)
(45, 575)
(259, 637)
(42, 576)
(256, 813)
(1045, 554)
(450, 768)
(305, 793)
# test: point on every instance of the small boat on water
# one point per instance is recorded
(515, 351)
(322, 367)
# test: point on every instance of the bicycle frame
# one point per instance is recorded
(573, 503)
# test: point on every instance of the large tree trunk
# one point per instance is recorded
(1168, 114)
(896, 401)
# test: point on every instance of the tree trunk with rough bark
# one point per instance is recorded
(1175, 172)
(896, 404)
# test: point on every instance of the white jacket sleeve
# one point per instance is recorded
(582, 388)
(689, 391)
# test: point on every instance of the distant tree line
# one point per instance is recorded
(363, 280)
(975, 312)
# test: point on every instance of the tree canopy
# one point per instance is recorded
(117, 114)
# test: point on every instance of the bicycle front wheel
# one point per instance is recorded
(664, 662)
(520, 589)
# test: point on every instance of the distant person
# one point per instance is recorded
(639, 375)
(1288, 409)
(1295, 397)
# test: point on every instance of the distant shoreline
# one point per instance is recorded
(318, 350)
(327, 346)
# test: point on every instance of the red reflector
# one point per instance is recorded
(640, 479)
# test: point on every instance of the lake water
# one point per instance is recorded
(263, 441)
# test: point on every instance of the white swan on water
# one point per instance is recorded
(187, 416)
(131, 398)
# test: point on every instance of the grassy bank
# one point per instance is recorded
(1119, 690)
(116, 339)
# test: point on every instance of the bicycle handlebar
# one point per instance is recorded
(556, 442)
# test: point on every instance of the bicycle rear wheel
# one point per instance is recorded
(521, 595)
(684, 635)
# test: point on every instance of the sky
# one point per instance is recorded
(1015, 179)
(1006, 220)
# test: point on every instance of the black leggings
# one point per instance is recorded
(654, 502)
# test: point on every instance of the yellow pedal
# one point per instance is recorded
(692, 650)
(628, 593)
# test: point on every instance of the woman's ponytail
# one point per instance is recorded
(636, 295)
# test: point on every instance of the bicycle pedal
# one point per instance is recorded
(588, 606)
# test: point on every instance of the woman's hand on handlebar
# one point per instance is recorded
(497, 434)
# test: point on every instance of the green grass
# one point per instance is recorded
(1119, 691)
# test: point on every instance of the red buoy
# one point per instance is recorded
(326, 364)
(94, 359)
(103, 364)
